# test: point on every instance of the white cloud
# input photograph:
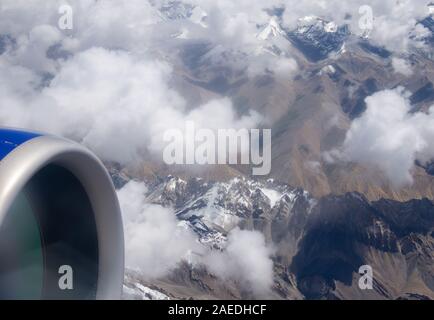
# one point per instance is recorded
(111, 101)
(402, 66)
(284, 67)
(247, 259)
(235, 23)
(108, 90)
(331, 156)
(105, 99)
(111, 92)
(137, 25)
(314, 166)
(155, 243)
(388, 136)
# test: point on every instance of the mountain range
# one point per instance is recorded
(320, 243)
(309, 113)
(324, 218)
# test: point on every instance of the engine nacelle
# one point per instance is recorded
(61, 234)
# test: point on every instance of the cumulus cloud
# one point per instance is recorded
(102, 98)
(401, 66)
(98, 84)
(247, 258)
(136, 24)
(235, 22)
(110, 24)
(388, 136)
(156, 242)
(284, 67)
(106, 84)
(314, 166)
(111, 101)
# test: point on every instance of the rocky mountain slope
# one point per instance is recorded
(309, 109)
(324, 217)
(320, 243)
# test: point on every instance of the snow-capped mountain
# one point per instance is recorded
(134, 290)
(271, 30)
(214, 209)
(317, 38)
(322, 236)
(320, 243)
(176, 10)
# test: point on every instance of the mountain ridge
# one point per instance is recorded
(320, 243)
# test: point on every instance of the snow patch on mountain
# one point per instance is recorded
(318, 38)
(273, 195)
(137, 291)
(271, 30)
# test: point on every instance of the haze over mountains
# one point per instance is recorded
(349, 105)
